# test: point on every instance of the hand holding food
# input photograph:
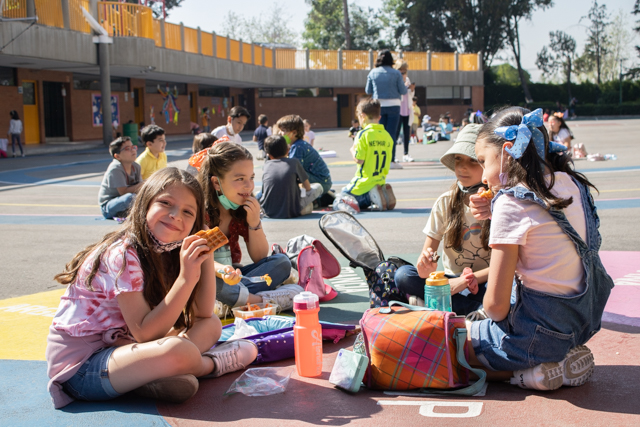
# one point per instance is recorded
(214, 237)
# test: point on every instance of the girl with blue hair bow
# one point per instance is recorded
(544, 232)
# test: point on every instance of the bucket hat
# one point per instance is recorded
(465, 144)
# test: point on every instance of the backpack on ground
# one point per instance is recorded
(360, 248)
(314, 263)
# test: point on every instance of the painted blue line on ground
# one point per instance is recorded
(25, 401)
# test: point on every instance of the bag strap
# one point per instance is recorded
(387, 310)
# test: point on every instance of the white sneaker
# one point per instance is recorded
(231, 356)
(407, 158)
(574, 370)
(283, 296)
(377, 199)
(222, 310)
(395, 165)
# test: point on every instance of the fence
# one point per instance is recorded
(190, 40)
(76, 18)
(123, 19)
(172, 36)
(14, 9)
(49, 13)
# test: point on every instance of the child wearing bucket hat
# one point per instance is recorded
(465, 240)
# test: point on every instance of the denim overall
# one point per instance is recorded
(541, 327)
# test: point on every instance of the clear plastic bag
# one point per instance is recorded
(346, 202)
(261, 381)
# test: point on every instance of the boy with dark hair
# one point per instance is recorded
(372, 151)
(121, 181)
(261, 133)
(292, 128)
(286, 191)
(236, 120)
(153, 158)
(354, 129)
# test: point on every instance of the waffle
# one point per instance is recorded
(488, 194)
(214, 237)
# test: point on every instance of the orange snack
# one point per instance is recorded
(214, 237)
(487, 194)
(267, 279)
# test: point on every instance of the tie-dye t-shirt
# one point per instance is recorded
(84, 312)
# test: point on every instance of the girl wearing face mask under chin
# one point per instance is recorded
(465, 249)
(227, 178)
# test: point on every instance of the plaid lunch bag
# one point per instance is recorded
(413, 347)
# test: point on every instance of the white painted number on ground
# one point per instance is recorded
(349, 282)
(427, 407)
(34, 310)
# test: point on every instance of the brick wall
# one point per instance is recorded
(11, 100)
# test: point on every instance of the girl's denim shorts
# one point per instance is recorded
(91, 382)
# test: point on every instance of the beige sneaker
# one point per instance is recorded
(222, 310)
(387, 193)
(177, 389)
(231, 356)
(377, 198)
(283, 296)
(307, 209)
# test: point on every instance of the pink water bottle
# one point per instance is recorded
(307, 335)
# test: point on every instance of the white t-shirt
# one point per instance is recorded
(221, 131)
(562, 135)
(547, 258)
(456, 259)
(310, 137)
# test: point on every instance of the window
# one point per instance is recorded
(151, 86)
(7, 76)
(449, 95)
(213, 91)
(92, 82)
(313, 92)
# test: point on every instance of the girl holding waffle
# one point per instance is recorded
(227, 178)
(544, 240)
(137, 314)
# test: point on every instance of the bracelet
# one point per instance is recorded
(258, 227)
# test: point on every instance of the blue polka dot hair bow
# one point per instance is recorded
(525, 132)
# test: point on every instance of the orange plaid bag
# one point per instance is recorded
(413, 347)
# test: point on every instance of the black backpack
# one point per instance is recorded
(360, 248)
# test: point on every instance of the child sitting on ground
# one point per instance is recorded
(283, 179)
(201, 142)
(236, 120)
(261, 133)
(309, 135)
(354, 129)
(121, 181)
(446, 128)
(292, 128)
(227, 178)
(544, 237)
(372, 152)
(153, 158)
(465, 248)
(137, 314)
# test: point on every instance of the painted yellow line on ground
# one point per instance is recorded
(620, 190)
(42, 205)
(351, 162)
(416, 200)
(24, 324)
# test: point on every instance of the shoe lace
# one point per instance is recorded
(226, 361)
(222, 310)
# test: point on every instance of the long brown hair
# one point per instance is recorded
(453, 234)
(218, 163)
(529, 169)
(160, 269)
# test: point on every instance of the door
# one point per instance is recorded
(344, 112)
(31, 112)
(55, 123)
(193, 106)
(138, 105)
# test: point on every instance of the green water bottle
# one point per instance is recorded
(437, 292)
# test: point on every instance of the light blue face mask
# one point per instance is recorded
(224, 200)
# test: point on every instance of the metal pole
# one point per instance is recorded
(105, 92)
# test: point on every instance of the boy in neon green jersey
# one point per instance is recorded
(371, 150)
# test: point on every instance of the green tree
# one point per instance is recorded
(156, 5)
(508, 74)
(267, 28)
(517, 11)
(597, 39)
(558, 57)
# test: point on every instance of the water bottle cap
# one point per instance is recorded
(306, 301)
(437, 279)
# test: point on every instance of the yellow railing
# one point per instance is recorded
(14, 9)
(221, 47)
(355, 60)
(125, 20)
(234, 50)
(49, 13)
(286, 59)
(323, 59)
(157, 32)
(246, 53)
(172, 37)
(468, 62)
(207, 43)
(268, 58)
(76, 18)
(190, 40)
(257, 55)
(416, 60)
(443, 61)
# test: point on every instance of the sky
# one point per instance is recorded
(564, 15)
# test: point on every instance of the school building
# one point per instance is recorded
(166, 73)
